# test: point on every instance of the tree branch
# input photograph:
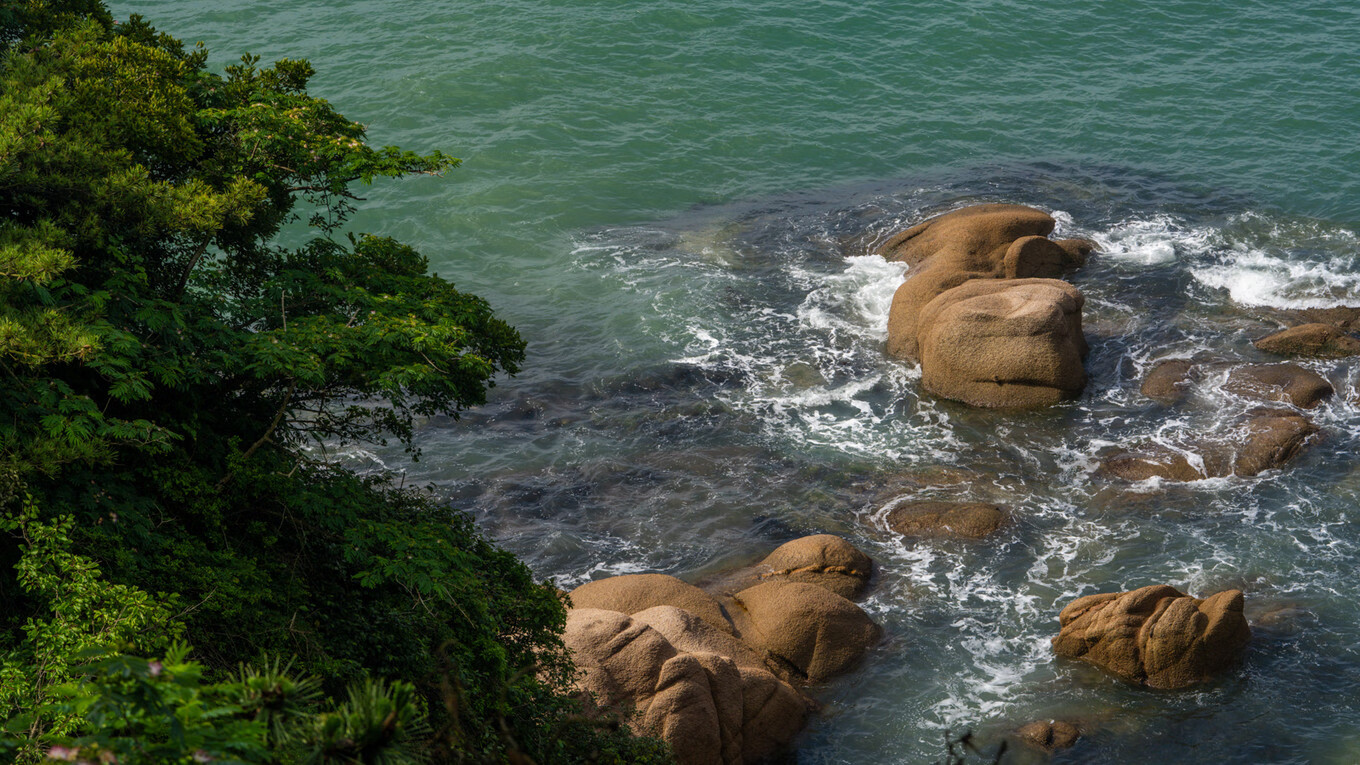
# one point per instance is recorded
(278, 417)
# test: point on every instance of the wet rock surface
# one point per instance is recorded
(971, 520)
(1049, 736)
(1289, 383)
(1265, 439)
(1316, 340)
(1169, 381)
(1155, 636)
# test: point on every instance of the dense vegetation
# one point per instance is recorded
(174, 379)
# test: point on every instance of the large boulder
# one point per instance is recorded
(814, 632)
(1289, 383)
(1004, 343)
(1266, 439)
(825, 560)
(631, 593)
(1316, 340)
(981, 231)
(982, 242)
(971, 520)
(706, 706)
(1169, 380)
(1155, 636)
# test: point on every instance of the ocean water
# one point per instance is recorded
(674, 202)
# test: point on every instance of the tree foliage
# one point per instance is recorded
(174, 376)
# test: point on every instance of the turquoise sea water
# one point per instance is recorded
(670, 200)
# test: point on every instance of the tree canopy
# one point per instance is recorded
(168, 363)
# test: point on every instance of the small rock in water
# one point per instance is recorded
(1169, 380)
(1265, 440)
(1317, 340)
(1289, 383)
(1049, 735)
(1155, 636)
(971, 520)
(825, 560)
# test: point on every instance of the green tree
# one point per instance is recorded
(170, 368)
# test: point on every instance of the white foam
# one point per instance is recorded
(1152, 241)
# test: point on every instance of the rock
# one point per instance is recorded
(1266, 439)
(1049, 735)
(1004, 343)
(1155, 636)
(704, 705)
(1271, 439)
(815, 632)
(1317, 340)
(1168, 381)
(631, 593)
(1152, 461)
(687, 632)
(981, 231)
(1343, 317)
(980, 242)
(972, 520)
(1289, 383)
(824, 560)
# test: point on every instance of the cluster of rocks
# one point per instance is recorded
(717, 673)
(984, 310)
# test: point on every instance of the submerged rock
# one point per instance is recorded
(1316, 340)
(972, 520)
(1289, 383)
(1049, 735)
(1155, 636)
(1265, 440)
(1004, 343)
(1169, 380)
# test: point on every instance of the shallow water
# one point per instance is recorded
(674, 202)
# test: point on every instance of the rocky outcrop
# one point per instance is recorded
(813, 631)
(1289, 383)
(1169, 381)
(1155, 636)
(825, 560)
(1266, 439)
(716, 681)
(631, 593)
(706, 706)
(1049, 736)
(1004, 343)
(983, 310)
(1316, 340)
(971, 520)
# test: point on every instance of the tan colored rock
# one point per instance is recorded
(1155, 636)
(980, 231)
(825, 560)
(980, 242)
(1265, 440)
(1272, 439)
(1168, 381)
(704, 705)
(1343, 317)
(1049, 735)
(971, 520)
(1004, 343)
(810, 629)
(1289, 383)
(631, 593)
(688, 633)
(1315, 340)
